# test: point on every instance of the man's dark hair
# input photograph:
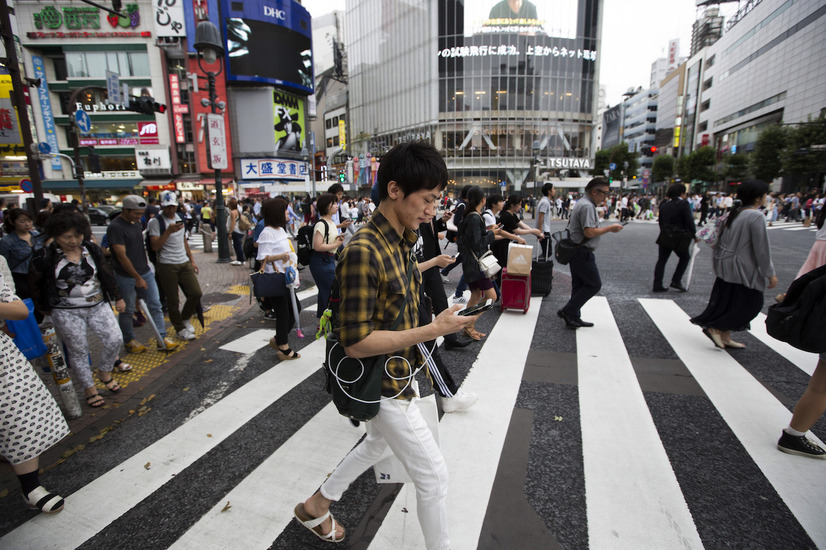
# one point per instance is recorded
(325, 201)
(335, 188)
(596, 182)
(275, 212)
(413, 166)
(547, 188)
(44, 203)
(493, 199)
(676, 191)
(58, 224)
(463, 192)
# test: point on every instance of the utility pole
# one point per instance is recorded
(13, 66)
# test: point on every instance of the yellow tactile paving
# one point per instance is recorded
(241, 290)
(144, 362)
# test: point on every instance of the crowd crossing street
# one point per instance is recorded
(635, 433)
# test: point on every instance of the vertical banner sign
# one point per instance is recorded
(169, 19)
(113, 88)
(673, 54)
(46, 109)
(178, 110)
(342, 135)
(216, 142)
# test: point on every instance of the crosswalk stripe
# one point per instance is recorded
(632, 495)
(754, 415)
(256, 340)
(105, 499)
(804, 360)
(262, 503)
(471, 440)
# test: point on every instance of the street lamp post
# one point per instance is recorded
(208, 45)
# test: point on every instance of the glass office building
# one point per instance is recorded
(497, 91)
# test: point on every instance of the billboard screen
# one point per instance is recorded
(289, 122)
(269, 41)
(558, 18)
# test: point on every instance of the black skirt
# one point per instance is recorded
(731, 306)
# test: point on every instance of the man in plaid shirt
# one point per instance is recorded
(372, 275)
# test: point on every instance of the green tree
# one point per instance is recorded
(663, 168)
(736, 166)
(619, 155)
(601, 162)
(767, 158)
(801, 159)
(702, 164)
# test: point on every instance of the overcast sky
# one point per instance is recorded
(634, 34)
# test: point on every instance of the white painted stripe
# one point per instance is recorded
(632, 495)
(258, 339)
(251, 342)
(471, 440)
(262, 504)
(803, 359)
(802, 228)
(92, 508)
(754, 415)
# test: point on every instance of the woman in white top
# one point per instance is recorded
(275, 251)
(325, 242)
(235, 232)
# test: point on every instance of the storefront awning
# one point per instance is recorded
(72, 185)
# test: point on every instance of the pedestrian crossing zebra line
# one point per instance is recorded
(804, 360)
(108, 497)
(632, 494)
(753, 414)
(262, 504)
(471, 441)
(256, 340)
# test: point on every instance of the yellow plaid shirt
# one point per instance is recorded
(372, 278)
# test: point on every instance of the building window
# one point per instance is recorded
(703, 126)
(328, 123)
(710, 61)
(707, 84)
(60, 70)
(705, 106)
(95, 64)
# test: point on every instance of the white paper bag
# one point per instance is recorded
(388, 469)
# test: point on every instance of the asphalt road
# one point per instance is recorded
(634, 434)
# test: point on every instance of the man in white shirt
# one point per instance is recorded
(175, 265)
(543, 220)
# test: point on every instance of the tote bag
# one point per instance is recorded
(27, 334)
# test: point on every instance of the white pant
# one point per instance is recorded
(400, 425)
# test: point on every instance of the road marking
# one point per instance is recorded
(262, 504)
(96, 505)
(632, 495)
(754, 415)
(254, 341)
(478, 432)
(803, 359)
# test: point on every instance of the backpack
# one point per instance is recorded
(151, 254)
(800, 318)
(304, 242)
(244, 222)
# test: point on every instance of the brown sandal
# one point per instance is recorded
(473, 334)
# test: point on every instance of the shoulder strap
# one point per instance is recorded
(398, 320)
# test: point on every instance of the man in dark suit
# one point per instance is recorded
(676, 233)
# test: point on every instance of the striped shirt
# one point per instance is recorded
(372, 277)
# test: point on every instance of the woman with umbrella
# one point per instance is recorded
(275, 251)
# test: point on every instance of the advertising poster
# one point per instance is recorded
(289, 122)
(557, 18)
(9, 126)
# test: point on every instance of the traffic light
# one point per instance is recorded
(653, 150)
(94, 162)
(146, 105)
(342, 177)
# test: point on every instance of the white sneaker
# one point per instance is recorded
(459, 300)
(186, 334)
(460, 401)
(188, 326)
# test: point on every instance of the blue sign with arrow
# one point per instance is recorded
(83, 121)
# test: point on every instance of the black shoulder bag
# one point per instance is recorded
(355, 384)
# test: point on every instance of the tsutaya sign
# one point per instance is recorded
(569, 163)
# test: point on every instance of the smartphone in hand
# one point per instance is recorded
(477, 309)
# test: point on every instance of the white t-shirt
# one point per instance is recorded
(272, 241)
(545, 208)
(173, 250)
(489, 218)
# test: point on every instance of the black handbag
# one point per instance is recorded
(355, 384)
(564, 247)
(268, 285)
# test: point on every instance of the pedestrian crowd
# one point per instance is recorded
(382, 295)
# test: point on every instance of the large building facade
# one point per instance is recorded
(508, 98)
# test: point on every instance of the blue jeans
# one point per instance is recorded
(128, 291)
(323, 268)
(238, 245)
(461, 287)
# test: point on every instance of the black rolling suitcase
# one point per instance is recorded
(542, 273)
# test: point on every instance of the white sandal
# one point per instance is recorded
(314, 523)
(42, 499)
